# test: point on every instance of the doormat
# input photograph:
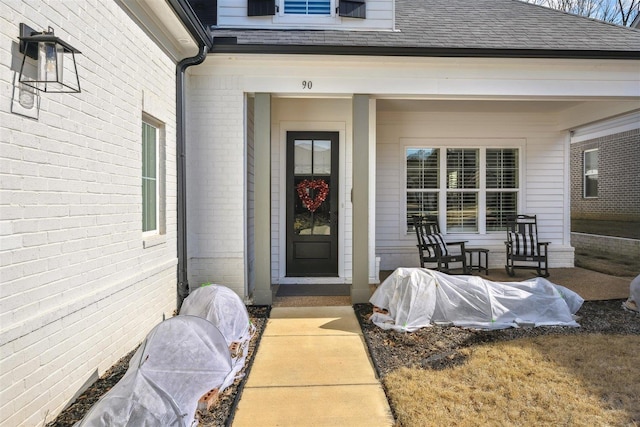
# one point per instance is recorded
(306, 290)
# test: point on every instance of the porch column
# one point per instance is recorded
(262, 153)
(360, 200)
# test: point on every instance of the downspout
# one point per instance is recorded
(183, 279)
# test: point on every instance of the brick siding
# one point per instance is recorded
(618, 178)
(78, 289)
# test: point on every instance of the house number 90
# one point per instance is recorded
(307, 84)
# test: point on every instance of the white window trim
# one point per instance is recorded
(157, 180)
(585, 173)
(442, 144)
(292, 19)
(158, 235)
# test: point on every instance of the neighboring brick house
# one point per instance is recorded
(613, 150)
(605, 189)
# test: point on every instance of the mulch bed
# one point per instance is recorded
(438, 347)
(221, 414)
(434, 348)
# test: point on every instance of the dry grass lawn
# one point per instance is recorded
(583, 380)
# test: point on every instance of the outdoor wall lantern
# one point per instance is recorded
(43, 67)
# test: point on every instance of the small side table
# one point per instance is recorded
(478, 259)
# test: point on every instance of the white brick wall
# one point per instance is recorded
(77, 289)
(216, 176)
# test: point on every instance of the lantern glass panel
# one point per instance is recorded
(50, 62)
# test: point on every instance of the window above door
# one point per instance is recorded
(307, 7)
(307, 11)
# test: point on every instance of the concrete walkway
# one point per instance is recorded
(312, 369)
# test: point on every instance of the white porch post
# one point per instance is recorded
(360, 200)
(262, 154)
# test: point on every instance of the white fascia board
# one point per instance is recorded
(608, 127)
(160, 22)
(434, 78)
(588, 114)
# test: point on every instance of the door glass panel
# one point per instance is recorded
(303, 156)
(312, 183)
(307, 221)
(322, 157)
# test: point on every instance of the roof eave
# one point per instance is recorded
(183, 9)
(228, 46)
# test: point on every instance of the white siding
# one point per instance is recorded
(233, 14)
(78, 288)
(543, 191)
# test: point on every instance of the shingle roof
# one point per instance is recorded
(456, 27)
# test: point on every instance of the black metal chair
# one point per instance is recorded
(434, 249)
(524, 251)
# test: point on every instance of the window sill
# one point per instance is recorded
(307, 20)
(155, 240)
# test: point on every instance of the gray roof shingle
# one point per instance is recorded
(456, 27)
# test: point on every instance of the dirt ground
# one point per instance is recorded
(626, 229)
(607, 264)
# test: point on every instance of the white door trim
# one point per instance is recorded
(280, 132)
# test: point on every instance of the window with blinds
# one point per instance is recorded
(307, 7)
(479, 184)
(422, 165)
(502, 176)
(462, 189)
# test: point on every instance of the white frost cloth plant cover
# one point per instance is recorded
(633, 303)
(224, 308)
(416, 298)
(181, 359)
